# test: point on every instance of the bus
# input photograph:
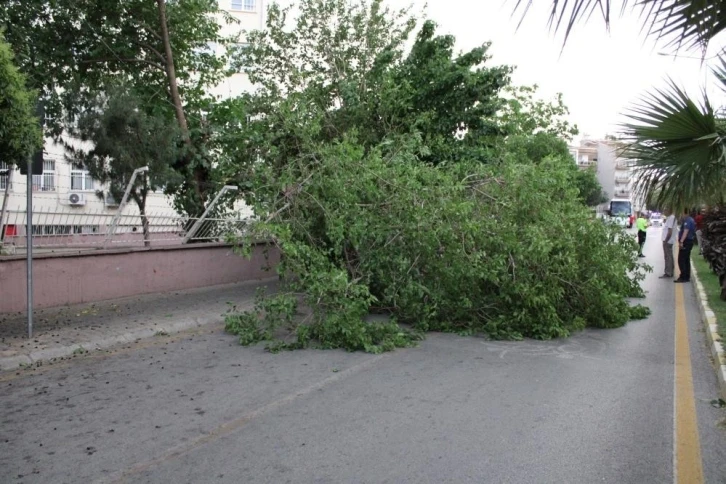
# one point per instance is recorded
(620, 211)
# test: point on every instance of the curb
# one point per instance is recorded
(714, 339)
(36, 358)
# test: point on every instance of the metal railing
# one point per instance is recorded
(66, 229)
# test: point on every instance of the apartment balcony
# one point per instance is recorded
(622, 179)
(621, 193)
(623, 165)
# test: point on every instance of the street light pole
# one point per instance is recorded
(29, 247)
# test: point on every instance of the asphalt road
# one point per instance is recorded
(198, 408)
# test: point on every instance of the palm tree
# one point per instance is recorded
(679, 148)
(678, 144)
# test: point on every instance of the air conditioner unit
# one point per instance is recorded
(110, 201)
(76, 199)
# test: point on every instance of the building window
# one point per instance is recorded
(51, 229)
(4, 175)
(243, 5)
(80, 179)
(64, 229)
(85, 229)
(46, 181)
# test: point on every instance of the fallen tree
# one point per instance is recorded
(504, 250)
(407, 182)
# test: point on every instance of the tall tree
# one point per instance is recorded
(73, 50)
(20, 133)
(125, 138)
(524, 113)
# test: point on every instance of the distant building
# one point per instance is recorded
(614, 172)
(585, 154)
(65, 187)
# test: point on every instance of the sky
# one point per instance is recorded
(600, 74)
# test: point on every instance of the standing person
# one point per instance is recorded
(699, 230)
(642, 225)
(669, 235)
(685, 243)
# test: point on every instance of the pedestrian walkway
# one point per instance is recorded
(63, 332)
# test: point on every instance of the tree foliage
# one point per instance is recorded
(20, 133)
(589, 188)
(410, 184)
(524, 114)
(340, 67)
(535, 129)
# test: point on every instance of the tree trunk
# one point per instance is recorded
(145, 227)
(171, 72)
(144, 218)
(140, 199)
(197, 173)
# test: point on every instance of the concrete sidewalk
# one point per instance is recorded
(64, 332)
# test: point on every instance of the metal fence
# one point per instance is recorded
(59, 229)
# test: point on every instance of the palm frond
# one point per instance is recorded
(687, 23)
(719, 70)
(682, 23)
(566, 13)
(678, 149)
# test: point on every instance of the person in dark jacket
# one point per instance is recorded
(686, 236)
